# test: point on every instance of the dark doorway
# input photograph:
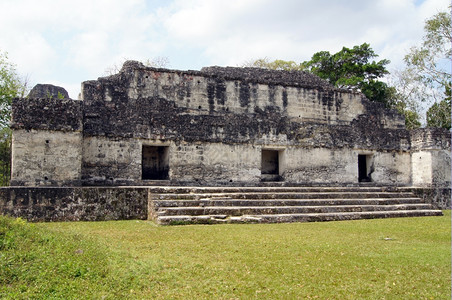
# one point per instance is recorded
(364, 168)
(270, 162)
(155, 162)
(270, 165)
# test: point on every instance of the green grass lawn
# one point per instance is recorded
(407, 258)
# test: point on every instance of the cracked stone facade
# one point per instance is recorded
(219, 126)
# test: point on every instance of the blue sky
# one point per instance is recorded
(67, 42)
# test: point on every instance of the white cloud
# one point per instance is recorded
(297, 29)
(72, 41)
(59, 39)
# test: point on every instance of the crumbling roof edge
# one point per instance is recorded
(240, 74)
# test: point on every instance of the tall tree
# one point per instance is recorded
(428, 70)
(11, 86)
(353, 68)
(439, 114)
(349, 68)
(407, 97)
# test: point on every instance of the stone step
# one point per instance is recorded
(288, 218)
(184, 205)
(269, 189)
(282, 202)
(282, 195)
(265, 210)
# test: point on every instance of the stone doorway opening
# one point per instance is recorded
(271, 165)
(155, 162)
(365, 167)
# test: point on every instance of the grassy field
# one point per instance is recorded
(407, 258)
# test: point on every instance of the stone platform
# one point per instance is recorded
(173, 205)
(170, 205)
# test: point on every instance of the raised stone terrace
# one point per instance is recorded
(219, 145)
(188, 205)
(173, 205)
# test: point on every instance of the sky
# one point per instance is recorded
(67, 42)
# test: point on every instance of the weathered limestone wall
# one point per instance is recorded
(74, 203)
(216, 122)
(205, 95)
(431, 157)
(212, 126)
(297, 95)
(43, 157)
(320, 165)
(46, 142)
(41, 204)
(335, 166)
(439, 197)
(215, 162)
(109, 161)
(392, 168)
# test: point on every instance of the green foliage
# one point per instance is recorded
(352, 69)
(368, 259)
(5, 156)
(411, 119)
(349, 68)
(50, 96)
(439, 114)
(427, 58)
(428, 70)
(10, 87)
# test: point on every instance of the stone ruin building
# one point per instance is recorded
(220, 145)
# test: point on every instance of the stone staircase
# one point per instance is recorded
(213, 205)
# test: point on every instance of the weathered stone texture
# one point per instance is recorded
(431, 157)
(43, 157)
(439, 197)
(214, 125)
(47, 114)
(200, 93)
(111, 162)
(430, 139)
(48, 91)
(218, 126)
(202, 163)
(74, 204)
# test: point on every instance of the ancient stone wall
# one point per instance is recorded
(40, 204)
(74, 203)
(46, 142)
(431, 157)
(214, 90)
(218, 126)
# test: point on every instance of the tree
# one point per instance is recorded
(5, 156)
(439, 114)
(353, 69)
(407, 97)
(428, 71)
(349, 68)
(156, 62)
(278, 64)
(11, 86)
